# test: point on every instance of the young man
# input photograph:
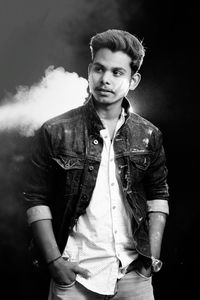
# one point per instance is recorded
(97, 196)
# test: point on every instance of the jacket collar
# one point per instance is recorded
(92, 118)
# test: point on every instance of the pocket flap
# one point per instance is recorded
(69, 163)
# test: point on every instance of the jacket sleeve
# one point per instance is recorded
(37, 186)
(156, 185)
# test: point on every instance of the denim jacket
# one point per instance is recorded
(64, 166)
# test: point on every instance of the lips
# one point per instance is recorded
(101, 90)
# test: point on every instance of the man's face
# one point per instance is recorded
(110, 76)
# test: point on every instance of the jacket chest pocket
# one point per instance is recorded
(69, 172)
(139, 164)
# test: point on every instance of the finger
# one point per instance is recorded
(83, 272)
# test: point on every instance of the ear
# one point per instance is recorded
(135, 80)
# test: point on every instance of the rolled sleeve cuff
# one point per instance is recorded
(39, 212)
(158, 205)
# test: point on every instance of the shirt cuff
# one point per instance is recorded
(158, 205)
(39, 212)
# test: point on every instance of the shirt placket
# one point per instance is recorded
(112, 183)
(114, 199)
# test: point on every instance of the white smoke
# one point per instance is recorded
(30, 107)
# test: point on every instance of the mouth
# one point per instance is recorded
(104, 91)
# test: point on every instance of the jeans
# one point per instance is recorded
(131, 287)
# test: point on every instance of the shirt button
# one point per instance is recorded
(115, 231)
(95, 142)
(114, 207)
(112, 184)
(111, 159)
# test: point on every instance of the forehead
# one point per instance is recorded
(111, 59)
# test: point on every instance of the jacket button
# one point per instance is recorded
(91, 168)
(95, 142)
(36, 263)
(84, 197)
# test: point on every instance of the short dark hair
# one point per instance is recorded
(119, 40)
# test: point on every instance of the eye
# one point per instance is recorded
(98, 69)
(117, 73)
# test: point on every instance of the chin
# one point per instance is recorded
(102, 99)
(105, 101)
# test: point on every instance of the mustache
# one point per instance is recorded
(102, 89)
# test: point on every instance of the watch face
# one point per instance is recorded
(157, 265)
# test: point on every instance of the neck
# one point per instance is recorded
(108, 112)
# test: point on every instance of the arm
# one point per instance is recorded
(45, 239)
(157, 221)
(62, 271)
(158, 194)
(37, 196)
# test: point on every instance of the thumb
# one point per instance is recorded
(82, 272)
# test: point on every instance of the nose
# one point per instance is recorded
(106, 78)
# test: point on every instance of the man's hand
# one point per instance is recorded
(64, 272)
(139, 267)
(141, 270)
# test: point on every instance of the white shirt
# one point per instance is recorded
(102, 236)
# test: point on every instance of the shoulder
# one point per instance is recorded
(141, 122)
(69, 116)
(69, 121)
(143, 129)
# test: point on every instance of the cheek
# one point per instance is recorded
(91, 80)
(124, 85)
(93, 77)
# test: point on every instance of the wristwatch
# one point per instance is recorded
(156, 264)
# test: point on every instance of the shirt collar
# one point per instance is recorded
(94, 122)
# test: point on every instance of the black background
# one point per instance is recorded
(36, 34)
